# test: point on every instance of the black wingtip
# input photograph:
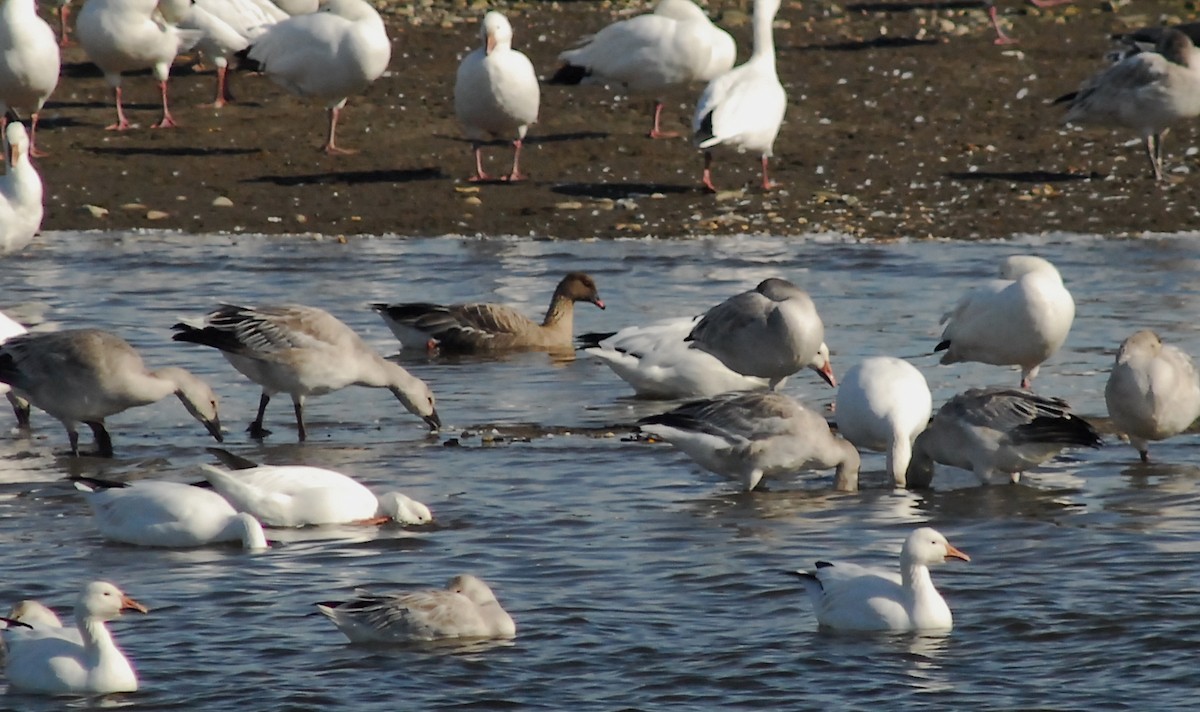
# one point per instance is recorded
(14, 623)
(705, 131)
(592, 339)
(1066, 98)
(569, 74)
(942, 346)
(97, 482)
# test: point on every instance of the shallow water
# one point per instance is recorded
(637, 580)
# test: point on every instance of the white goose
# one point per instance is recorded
(1021, 319)
(303, 351)
(8, 329)
(167, 514)
(86, 375)
(21, 207)
(29, 62)
(1153, 391)
(676, 44)
(328, 55)
(300, 496)
(658, 362)
(744, 107)
(882, 404)
(127, 35)
(752, 435)
(496, 93)
(995, 430)
(850, 597)
(770, 331)
(1147, 92)
(54, 663)
(466, 608)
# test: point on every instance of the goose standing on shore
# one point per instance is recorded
(1020, 319)
(674, 45)
(50, 663)
(490, 328)
(86, 375)
(496, 93)
(303, 351)
(127, 35)
(21, 208)
(753, 435)
(29, 63)
(883, 404)
(849, 597)
(744, 107)
(1153, 391)
(329, 55)
(1147, 92)
(770, 332)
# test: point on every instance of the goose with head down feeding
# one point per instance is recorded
(303, 351)
(466, 608)
(658, 362)
(480, 328)
(753, 435)
(86, 375)
(51, 663)
(1153, 391)
(883, 404)
(849, 597)
(1020, 319)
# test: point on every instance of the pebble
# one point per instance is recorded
(473, 200)
(157, 215)
(222, 202)
(96, 211)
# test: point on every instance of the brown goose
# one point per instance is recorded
(488, 328)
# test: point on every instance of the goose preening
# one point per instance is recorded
(86, 375)
(301, 496)
(127, 35)
(658, 362)
(488, 328)
(466, 608)
(883, 404)
(1021, 319)
(496, 93)
(328, 56)
(1147, 92)
(55, 662)
(167, 514)
(753, 435)
(769, 332)
(29, 63)
(744, 107)
(850, 597)
(303, 351)
(674, 45)
(1153, 391)
(21, 209)
(992, 431)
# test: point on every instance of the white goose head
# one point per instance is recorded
(928, 547)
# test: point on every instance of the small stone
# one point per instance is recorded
(133, 207)
(157, 215)
(473, 200)
(569, 205)
(96, 211)
(726, 195)
(222, 202)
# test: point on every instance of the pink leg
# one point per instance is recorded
(330, 146)
(655, 132)
(222, 91)
(706, 179)
(64, 12)
(167, 121)
(479, 176)
(1001, 38)
(516, 171)
(767, 183)
(122, 122)
(33, 149)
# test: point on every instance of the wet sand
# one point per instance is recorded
(904, 120)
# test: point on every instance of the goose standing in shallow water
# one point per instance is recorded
(29, 63)
(849, 597)
(1021, 319)
(303, 351)
(496, 93)
(752, 435)
(744, 107)
(489, 328)
(328, 55)
(51, 663)
(21, 208)
(997, 430)
(883, 404)
(86, 375)
(1153, 391)
(466, 608)
(1147, 92)
(770, 332)
(676, 44)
